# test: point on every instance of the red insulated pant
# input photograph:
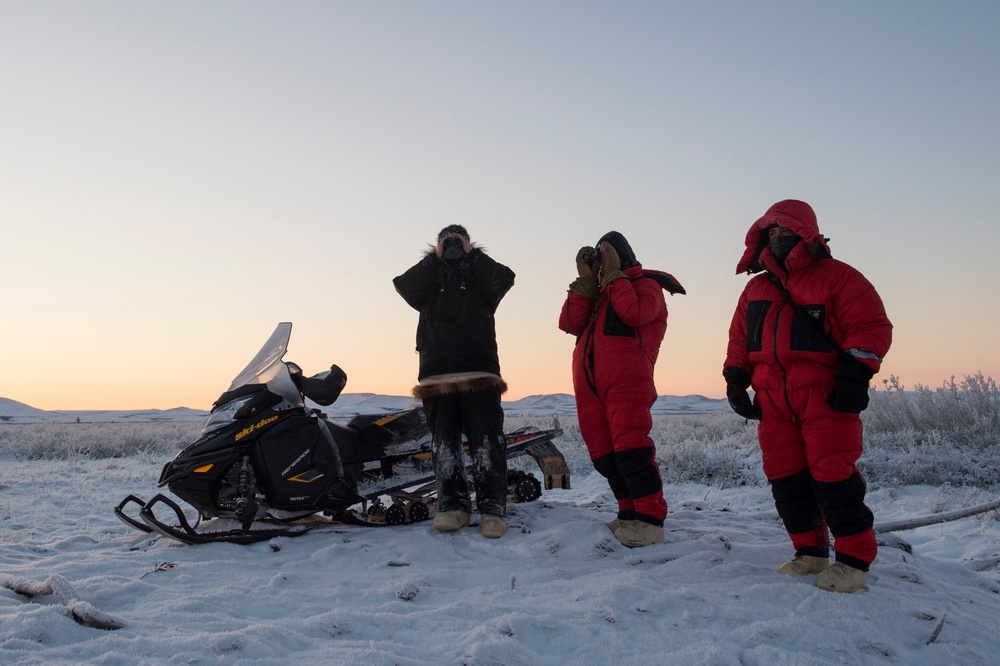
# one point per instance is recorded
(810, 462)
(615, 423)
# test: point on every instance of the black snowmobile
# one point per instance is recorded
(266, 464)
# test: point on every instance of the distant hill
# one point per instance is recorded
(564, 403)
(349, 404)
(12, 411)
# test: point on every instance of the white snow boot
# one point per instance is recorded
(803, 565)
(492, 526)
(636, 534)
(842, 578)
(615, 524)
(451, 521)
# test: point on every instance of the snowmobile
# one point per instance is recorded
(265, 463)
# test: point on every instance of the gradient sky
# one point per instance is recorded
(178, 177)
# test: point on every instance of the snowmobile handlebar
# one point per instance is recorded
(323, 388)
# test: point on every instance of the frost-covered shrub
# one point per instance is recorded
(968, 411)
(66, 441)
(947, 435)
(715, 449)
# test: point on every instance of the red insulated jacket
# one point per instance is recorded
(619, 334)
(780, 348)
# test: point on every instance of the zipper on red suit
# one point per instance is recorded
(588, 349)
(784, 373)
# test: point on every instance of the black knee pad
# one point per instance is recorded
(608, 468)
(843, 505)
(606, 465)
(796, 503)
(640, 474)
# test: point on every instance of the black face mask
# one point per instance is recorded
(781, 246)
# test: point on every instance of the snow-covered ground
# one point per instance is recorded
(557, 588)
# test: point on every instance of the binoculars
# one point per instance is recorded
(453, 241)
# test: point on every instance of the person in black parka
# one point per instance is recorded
(456, 288)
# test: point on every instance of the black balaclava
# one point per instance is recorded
(781, 246)
(624, 250)
(453, 254)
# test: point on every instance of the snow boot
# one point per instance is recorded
(615, 524)
(451, 521)
(842, 578)
(803, 565)
(636, 534)
(492, 526)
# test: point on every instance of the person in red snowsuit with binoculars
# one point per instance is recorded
(617, 312)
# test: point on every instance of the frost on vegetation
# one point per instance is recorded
(932, 437)
(925, 436)
(71, 441)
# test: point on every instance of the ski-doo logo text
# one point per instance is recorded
(256, 426)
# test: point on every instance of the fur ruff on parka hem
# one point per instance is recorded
(457, 383)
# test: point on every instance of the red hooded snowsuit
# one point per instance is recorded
(618, 340)
(809, 449)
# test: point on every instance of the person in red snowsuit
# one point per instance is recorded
(808, 334)
(618, 314)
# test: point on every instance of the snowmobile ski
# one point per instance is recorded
(185, 533)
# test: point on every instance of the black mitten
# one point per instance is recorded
(737, 383)
(586, 284)
(850, 393)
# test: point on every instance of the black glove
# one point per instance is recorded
(737, 383)
(850, 393)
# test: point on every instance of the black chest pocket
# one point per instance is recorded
(756, 311)
(613, 325)
(808, 324)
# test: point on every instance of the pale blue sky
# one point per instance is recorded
(179, 177)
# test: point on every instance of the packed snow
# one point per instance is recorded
(557, 588)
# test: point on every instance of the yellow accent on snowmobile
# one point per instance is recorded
(204, 468)
(388, 419)
(307, 476)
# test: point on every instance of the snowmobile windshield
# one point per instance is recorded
(266, 368)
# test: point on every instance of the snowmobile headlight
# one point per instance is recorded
(225, 414)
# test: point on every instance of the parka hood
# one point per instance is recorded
(625, 254)
(792, 214)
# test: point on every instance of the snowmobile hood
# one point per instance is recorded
(792, 214)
